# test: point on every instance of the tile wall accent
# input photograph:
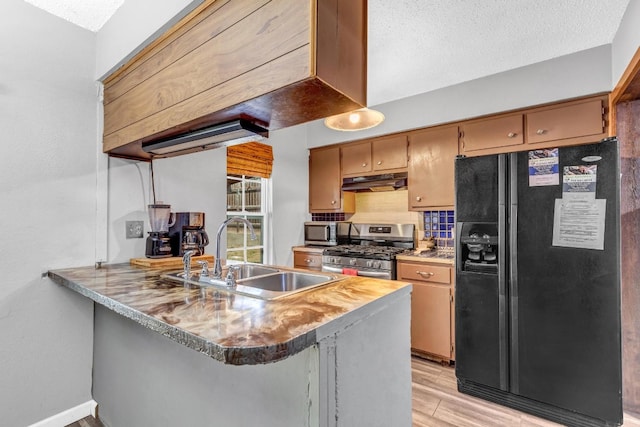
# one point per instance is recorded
(334, 216)
(439, 225)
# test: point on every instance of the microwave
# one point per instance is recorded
(325, 233)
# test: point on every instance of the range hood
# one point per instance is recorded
(220, 135)
(383, 182)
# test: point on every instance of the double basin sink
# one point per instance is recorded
(260, 281)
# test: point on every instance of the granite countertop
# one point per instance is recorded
(231, 328)
(432, 257)
(311, 249)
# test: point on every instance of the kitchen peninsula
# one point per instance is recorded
(332, 356)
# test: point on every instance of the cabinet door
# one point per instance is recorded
(431, 160)
(310, 261)
(492, 133)
(390, 153)
(356, 158)
(324, 179)
(431, 319)
(571, 121)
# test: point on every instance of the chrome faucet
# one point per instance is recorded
(217, 266)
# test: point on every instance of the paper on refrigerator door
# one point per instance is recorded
(543, 167)
(579, 217)
(579, 223)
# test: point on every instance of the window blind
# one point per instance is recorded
(250, 159)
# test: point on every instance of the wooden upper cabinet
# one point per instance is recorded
(380, 155)
(389, 152)
(482, 134)
(277, 63)
(325, 194)
(356, 158)
(432, 154)
(568, 123)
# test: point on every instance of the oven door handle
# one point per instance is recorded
(372, 274)
(327, 269)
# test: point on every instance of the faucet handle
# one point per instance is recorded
(231, 278)
(205, 268)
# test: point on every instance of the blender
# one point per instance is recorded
(158, 242)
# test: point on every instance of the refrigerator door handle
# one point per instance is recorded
(513, 274)
(502, 272)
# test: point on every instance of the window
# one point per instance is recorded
(248, 197)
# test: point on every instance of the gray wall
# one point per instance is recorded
(133, 26)
(578, 74)
(48, 113)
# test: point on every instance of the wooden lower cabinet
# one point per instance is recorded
(431, 308)
(307, 260)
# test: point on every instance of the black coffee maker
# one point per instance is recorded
(187, 233)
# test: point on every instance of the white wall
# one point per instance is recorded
(570, 76)
(197, 182)
(193, 182)
(627, 40)
(48, 113)
(290, 179)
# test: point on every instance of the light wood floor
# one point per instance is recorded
(437, 403)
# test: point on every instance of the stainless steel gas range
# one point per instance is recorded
(369, 250)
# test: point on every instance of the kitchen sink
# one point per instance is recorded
(260, 281)
(245, 271)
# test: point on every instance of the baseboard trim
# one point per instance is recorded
(69, 416)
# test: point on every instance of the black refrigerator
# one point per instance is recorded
(537, 306)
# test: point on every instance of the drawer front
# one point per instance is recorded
(424, 272)
(307, 260)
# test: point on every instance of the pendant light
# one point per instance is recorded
(363, 118)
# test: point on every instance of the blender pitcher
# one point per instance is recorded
(159, 216)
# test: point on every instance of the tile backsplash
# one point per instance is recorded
(333, 216)
(439, 225)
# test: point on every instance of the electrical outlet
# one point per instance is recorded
(134, 229)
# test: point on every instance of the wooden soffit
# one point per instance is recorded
(628, 87)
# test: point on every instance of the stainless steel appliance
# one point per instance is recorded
(158, 245)
(325, 233)
(537, 310)
(187, 233)
(371, 250)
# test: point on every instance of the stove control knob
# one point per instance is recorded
(377, 264)
(353, 261)
(369, 263)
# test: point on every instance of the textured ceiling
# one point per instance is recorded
(416, 46)
(89, 14)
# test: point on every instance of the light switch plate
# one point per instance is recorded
(134, 229)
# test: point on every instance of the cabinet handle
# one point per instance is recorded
(379, 162)
(307, 260)
(333, 202)
(418, 199)
(425, 273)
(541, 131)
(364, 165)
(511, 135)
